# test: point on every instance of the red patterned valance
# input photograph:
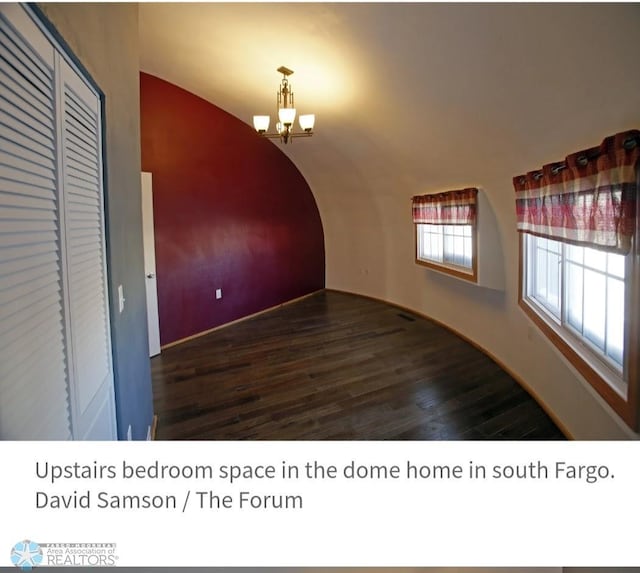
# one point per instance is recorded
(449, 208)
(589, 198)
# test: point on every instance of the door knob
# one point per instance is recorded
(151, 275)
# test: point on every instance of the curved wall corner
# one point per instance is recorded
(231, 212)
(490, 253)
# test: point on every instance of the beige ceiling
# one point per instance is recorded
(402, 92)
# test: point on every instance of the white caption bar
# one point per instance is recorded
(322, 503)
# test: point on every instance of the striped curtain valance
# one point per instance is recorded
(448, 208)
(589, 199)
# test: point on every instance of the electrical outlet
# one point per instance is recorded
(218, 293)
(121, 298)
(129, 433)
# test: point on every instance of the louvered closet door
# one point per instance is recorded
(33, 367)
(56, 379)
(90, 349)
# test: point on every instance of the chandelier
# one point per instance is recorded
(286, 113)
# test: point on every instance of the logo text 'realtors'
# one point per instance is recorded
(28, 554)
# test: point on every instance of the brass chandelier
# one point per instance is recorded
(286, 113)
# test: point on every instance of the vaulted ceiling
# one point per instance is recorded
(403, 92)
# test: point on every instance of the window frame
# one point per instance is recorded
(574, 349)
(466, 273)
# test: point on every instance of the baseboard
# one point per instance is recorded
(242, 319)
(154, 427)
(473, 343)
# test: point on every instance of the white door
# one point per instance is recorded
(56, 371)
(83, 242)
(34, 401)
(150, 264)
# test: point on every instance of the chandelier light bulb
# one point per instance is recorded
(261, 123)
(287, 115)
(307, 122)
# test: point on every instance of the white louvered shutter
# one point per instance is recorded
(56, 379)
(85, 254)
(33, 368)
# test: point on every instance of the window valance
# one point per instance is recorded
(589, 198)
(448, 208)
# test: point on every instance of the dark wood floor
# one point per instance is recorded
(340, 367)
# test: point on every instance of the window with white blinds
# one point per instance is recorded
(55, 358)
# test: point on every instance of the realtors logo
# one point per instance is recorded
(26, 555)
(29, 554)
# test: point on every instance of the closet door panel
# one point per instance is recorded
(34, 381)
(92, 379)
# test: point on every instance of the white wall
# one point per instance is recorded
(532, 96)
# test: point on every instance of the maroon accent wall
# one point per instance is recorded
(231, 211)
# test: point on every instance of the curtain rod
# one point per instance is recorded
(583, 160)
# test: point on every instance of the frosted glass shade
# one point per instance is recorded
(287, 115)
(307, 121)
(261, 122)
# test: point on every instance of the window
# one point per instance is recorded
(446, 244)
(581, 293)
(580, 279)
(446, 232)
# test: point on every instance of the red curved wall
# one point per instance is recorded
(230, 211)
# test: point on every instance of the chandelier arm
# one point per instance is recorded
(274, 135)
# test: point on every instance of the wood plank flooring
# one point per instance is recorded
(340, 367)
